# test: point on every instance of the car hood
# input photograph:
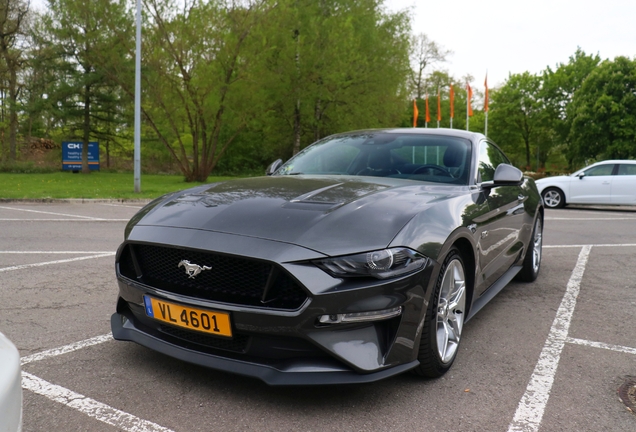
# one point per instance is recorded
(550, 181)
(332, 215)
(553, 179)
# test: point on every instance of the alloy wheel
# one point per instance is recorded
(552, 198)
(450, 310)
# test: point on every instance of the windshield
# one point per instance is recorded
(440, 159)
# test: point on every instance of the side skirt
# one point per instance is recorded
(493, 291)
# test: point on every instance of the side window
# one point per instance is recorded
(625, 169)
(489, 159)
(601, 170)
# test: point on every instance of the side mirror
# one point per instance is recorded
(580, 176)
(271, 169)
(507, 175)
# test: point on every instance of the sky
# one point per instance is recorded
(513, 36)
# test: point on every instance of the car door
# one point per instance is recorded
(594, 187)
(624, 184)
(500, 227)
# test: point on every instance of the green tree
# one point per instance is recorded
(439, 82)
(604, 113)
(518, 119)
(84, 96)
(13, 14)
(197, 77)
(559, 87)
(424, 54)
(333, 65)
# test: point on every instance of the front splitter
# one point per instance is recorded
(125, 330)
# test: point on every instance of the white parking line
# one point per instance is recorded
(45, 212)
(20, 267)
(62, 220)
(54, 252)
(532, 405)
(617, 348)
(579, 246)
(589, 219)
(122, 205)
(88, 406)
(66, 349)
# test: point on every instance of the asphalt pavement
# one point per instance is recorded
(545, 356)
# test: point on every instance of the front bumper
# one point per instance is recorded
(297, 373)
(289, 346)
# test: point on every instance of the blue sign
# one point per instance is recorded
(72, 155)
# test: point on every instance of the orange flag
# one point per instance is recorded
(470, 97)
(428, 113)
(452, 102)
(439, 106)
(486, 97)
(416, 113)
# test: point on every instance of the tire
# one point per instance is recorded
(553, 198)
(532, 260)
(444, 319)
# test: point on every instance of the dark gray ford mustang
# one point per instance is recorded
(360, 258)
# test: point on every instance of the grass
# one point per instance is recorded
(96, 185)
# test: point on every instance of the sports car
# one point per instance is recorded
(360, 258)
(607, 182)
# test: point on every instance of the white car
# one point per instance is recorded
(10, 387)
(608, 182)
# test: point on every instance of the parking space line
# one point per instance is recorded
(54, 252)
(62, 220)
(122, 205)
(589, 219)
(617, 348)
(45, 212)
(88, 406)
(20, 267)
(66, 348)
(590, 245)
(532, 405)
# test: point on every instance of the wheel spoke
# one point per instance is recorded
(537, 245)
(442, 339)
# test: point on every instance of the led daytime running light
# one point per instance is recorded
(360, 316)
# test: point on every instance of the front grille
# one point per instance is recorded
(232, 280)
(238, 343)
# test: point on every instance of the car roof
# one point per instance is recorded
(615, 161)
(420, 131)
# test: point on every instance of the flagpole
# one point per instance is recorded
(439, 107)
(427, 116)
(486, 128)
(486, 105)
(452, 105)
(137, 114)
(467, 102)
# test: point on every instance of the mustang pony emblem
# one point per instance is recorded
(192, 269)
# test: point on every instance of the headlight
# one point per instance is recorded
(379, 264)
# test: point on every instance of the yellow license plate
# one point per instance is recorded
(212, 322)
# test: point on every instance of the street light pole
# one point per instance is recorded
(137, 162)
